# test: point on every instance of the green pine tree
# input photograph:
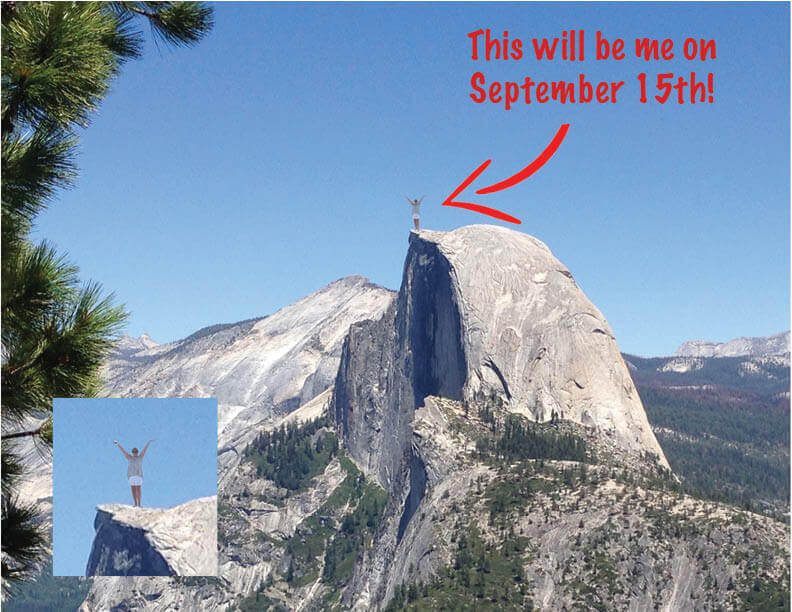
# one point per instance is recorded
(58, 60)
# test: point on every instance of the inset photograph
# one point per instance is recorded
(135, 487)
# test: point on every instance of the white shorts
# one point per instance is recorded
(136, 481)
(416, 217)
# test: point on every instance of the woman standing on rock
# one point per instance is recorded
(416, 209)
(135, 469)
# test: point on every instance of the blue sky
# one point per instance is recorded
(180, 465)
(228, 180)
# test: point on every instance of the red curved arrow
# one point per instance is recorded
(484, 210)
(523, 174)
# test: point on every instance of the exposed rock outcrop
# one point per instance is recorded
(263, 372)
(178, 541)
(483, 311)
(128, 345)
(259, 369)
(155, 593)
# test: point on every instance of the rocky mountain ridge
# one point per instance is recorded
(763, 346)
(259, 369)
(483, 314)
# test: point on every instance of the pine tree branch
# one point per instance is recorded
(24, 366)
(21, 434)
(177, 23)
(140, 11)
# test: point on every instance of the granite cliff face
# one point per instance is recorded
(260, 369)
(483, 311)
(178, 541)
(530, 334)
(264, 372)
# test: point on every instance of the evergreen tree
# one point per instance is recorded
(58, 60)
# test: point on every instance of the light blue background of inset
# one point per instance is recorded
(88, 469)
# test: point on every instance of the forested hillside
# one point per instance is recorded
(723, 424)
(48, 593)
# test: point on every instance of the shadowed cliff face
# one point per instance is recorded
(122, 550)
(389, 365)
(371, 423)
(416, 494)
(178, 541)
(433, 326)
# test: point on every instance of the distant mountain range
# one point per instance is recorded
(766, 346)
(758, 346)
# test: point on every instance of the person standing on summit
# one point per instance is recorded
(135, 470)
(416, 212)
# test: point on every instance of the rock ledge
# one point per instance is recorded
(178, 541)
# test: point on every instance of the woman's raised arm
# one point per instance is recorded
(145, 448)
(126, 454)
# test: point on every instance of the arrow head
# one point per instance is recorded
(484, 210)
